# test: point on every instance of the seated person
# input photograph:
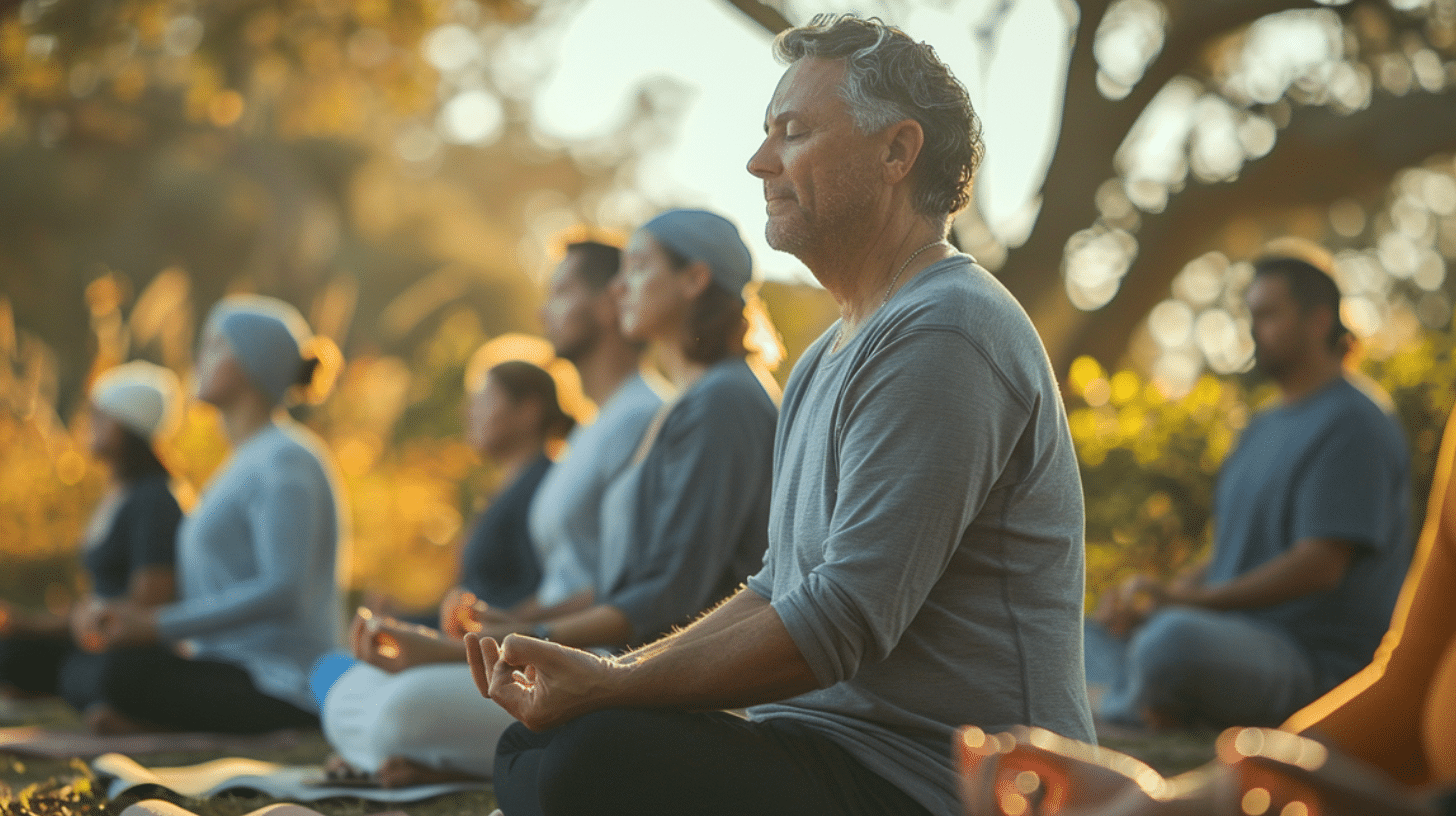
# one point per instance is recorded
(580, 318)
(1385, 734)
(1312, 538)
(925, 565)
(686, 523)
(258, 602)
(681, 527)
(396, 718)
(130, 544)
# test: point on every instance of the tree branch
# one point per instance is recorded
(771, 19)
(1320, 158)
(1092, 129)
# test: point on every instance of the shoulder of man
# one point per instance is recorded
(964, 299)
(960, 294)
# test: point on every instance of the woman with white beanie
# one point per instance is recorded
(129, 546)
(259, 602)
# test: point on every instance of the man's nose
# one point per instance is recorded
(762, 163)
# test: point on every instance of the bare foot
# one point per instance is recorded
(398, 772)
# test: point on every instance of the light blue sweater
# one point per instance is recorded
(255, 564)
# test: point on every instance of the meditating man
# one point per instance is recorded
(1311, 541)
(925, 563)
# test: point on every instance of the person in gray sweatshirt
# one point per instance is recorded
(925, 560)
(258, 596)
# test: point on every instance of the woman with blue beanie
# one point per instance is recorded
(259, 602)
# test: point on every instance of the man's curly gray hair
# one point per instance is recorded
(890, 78)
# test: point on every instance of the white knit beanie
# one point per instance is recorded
(143, 397)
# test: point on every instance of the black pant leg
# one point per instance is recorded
(79, 682)
(668, 762)
(32, 664)
(154, 685)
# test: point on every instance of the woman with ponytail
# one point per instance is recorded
(258, 600)
(408, 712)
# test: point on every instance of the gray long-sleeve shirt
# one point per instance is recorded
(255, 563)
(926, 532)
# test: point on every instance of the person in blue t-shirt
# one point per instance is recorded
(1312, 538)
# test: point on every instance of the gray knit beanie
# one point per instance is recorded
(267, 337)
(699, 235)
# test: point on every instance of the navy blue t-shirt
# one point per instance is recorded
(1332, 465)
(143, 534)
(498, 563)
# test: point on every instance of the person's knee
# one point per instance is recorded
(1173, 641)
(1171, 655)
(591, 757)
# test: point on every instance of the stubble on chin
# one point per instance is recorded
(787, 234)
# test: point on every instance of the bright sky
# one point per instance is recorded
(610, 47)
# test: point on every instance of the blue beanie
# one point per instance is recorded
(267, 338)
(699, 235)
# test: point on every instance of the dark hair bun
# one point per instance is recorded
(307, 369)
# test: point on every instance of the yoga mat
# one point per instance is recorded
(61, 743)
(305, 783)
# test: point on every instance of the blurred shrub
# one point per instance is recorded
(1149, 463)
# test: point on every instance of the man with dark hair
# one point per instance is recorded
(925, 561)
(580, 319)
(1311, 541)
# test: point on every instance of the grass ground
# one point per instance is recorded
(63, 787)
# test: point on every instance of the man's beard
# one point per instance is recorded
(1268, 366)
(581, 346)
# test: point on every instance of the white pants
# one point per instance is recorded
(432, 715)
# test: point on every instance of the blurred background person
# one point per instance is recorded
(581, 319)
(409, 713)
(1311, 541)
(130, 543)
(1385, 733)
(258, 600)
(687, 521)
(680, 528)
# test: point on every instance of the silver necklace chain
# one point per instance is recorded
(901, 270)
(841, 337)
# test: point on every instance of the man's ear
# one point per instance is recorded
(903, 142)
(1321, 321)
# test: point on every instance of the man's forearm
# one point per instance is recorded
(740, 655)
(1312, 565)
(733, 609)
